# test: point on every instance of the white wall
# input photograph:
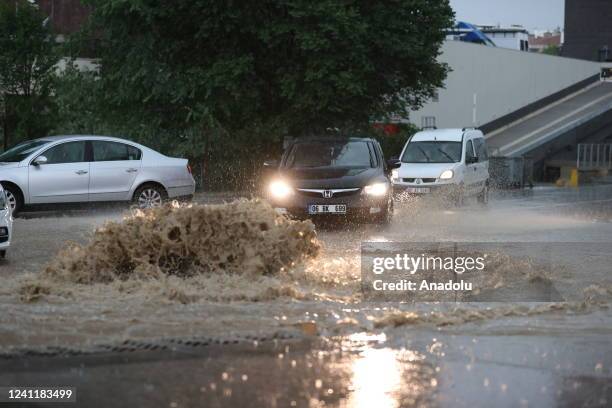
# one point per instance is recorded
(488, 82)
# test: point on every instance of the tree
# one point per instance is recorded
(27, 60)
(551, 50)
(244, 72)
(308, 65)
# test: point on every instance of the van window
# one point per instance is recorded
(469, 151)
(481, 149)
(432, 152)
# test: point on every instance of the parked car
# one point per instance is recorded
(332, 177)
(451, 162)
(6, 223)
(68, 169)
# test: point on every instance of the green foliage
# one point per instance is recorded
(27, 60)
(551, 50)
(393, 144)
(223, 82)
(304, 65)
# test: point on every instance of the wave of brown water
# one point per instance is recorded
(56, 309)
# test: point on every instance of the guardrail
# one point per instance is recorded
(594, 156)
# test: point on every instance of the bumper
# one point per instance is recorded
(434, 189)
(182, 191)
(357, 206)
(5, 231)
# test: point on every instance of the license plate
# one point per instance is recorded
(418, 190)
(327, 209)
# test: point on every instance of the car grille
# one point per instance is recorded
(412, 180)
(320, 195)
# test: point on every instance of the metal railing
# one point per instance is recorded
(594, 156)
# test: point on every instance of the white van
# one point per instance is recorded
(453, 162)
(6, 223)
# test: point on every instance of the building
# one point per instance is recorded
(66, 16)
(588, 30)
(546, 41)
(514, 37)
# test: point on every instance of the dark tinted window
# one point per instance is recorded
(481, 149)
(469, 151)
(432, 152)
(22, 150)
(113, 151)
(330, 154)
(71, 152)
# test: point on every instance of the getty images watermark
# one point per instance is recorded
(471, 272)
(422, 263)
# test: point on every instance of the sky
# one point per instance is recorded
(532, 14)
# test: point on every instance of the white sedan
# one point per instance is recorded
(70, 169)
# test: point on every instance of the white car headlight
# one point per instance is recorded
(376, 189)
(280, 189)
(446, 174)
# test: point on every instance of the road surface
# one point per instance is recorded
(141, 348)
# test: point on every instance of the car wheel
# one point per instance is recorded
(149, 196)
(14, 198)
(483, 197)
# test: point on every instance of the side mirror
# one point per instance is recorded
(471, 160)
(394, 164)
(39, 160)
(271, 163)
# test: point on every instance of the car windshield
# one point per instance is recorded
(22, 150)
(432, 152)
(330, 154)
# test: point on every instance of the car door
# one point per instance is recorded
(471, 169)
(482, 167)
(64, 178)
(113, 170)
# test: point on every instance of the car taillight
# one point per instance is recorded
(189, 169)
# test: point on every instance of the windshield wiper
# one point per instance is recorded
(446, 154)
(424, 154)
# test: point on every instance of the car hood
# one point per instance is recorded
(424, 170)
(8, 165)
(335, 177)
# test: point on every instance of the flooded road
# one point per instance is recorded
(389, 353)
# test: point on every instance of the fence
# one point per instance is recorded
(594, 156)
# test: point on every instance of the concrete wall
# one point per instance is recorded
(488, 83)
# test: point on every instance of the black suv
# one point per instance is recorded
(332, 177)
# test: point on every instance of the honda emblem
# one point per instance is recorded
(327, 193)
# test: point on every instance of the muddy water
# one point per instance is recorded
(326, 290)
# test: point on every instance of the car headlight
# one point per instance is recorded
(394, 175)
(280, 189)
(376, 189)
(446, 174)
